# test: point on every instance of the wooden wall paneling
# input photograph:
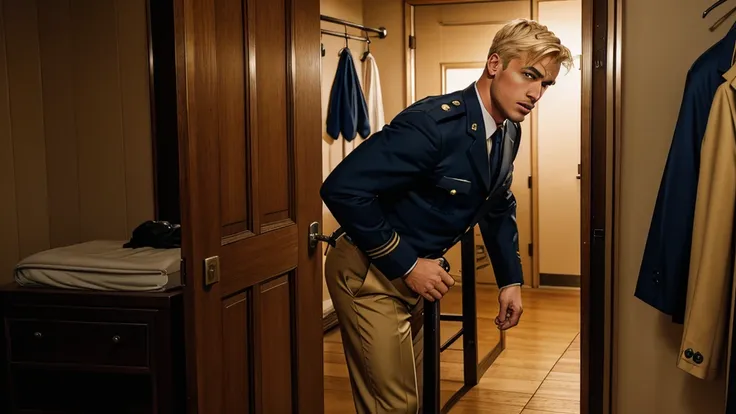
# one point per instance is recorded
(60, 125)
(132, 51)
(75, 110)
(26, 123)
(9, 238)
(101, 164)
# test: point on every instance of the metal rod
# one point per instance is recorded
(451, 317)
(431, 393)
(381, 30)
(450, 341)
(344, 35)
(470, 310)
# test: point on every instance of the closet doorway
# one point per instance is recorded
(558, 203)
(450, 49)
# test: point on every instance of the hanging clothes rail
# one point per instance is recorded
(381, 31)
(345, 35)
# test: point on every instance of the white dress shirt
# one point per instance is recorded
(490, 127)
(488, 123)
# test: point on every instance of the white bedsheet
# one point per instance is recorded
(102, 265)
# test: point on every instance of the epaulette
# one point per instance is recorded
(444, 108)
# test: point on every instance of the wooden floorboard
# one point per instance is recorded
(537, 373)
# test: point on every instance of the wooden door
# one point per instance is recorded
(452, 42)
(248, 87)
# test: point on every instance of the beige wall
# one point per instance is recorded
(389, 52)
(75, 130)
(335, 150)
(661, 39)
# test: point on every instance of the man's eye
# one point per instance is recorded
(528, 75)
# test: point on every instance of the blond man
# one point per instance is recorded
(410, 192)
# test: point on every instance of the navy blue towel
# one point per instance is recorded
(347, 110)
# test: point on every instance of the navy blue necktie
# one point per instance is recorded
(494, 160)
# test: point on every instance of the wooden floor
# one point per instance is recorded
(537, 373)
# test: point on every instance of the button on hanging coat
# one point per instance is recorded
(347, 112)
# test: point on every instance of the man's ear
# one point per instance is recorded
(493, 65)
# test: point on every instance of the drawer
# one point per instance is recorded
(78, 342)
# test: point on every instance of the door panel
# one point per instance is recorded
(248, 101)
(274, 314)
(452, 37)
(235, 350)
(273, 115)
(248, 265)
(232, 122)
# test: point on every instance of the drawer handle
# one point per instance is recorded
(38, 335)
(116, 339)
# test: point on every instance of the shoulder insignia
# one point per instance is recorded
(444, 108)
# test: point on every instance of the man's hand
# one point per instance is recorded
(429, 279)
(510, 310)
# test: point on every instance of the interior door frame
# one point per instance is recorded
(600, 142)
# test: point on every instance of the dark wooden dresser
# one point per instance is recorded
(70, 351)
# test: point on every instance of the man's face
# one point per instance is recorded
(516, 89)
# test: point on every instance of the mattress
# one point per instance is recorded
(102, 265)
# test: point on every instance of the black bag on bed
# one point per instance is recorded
(156, 234)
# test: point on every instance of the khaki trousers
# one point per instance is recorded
(381, 327)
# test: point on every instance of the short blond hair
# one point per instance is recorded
(530, 37)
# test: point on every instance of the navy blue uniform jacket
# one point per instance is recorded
(663, 276)
(414, 188)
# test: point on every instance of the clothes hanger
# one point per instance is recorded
(722, 20)
(709, 9)
(339, 53)
(367, 52)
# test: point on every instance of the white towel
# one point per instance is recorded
(373, 96)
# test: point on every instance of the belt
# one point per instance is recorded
(341, 233)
